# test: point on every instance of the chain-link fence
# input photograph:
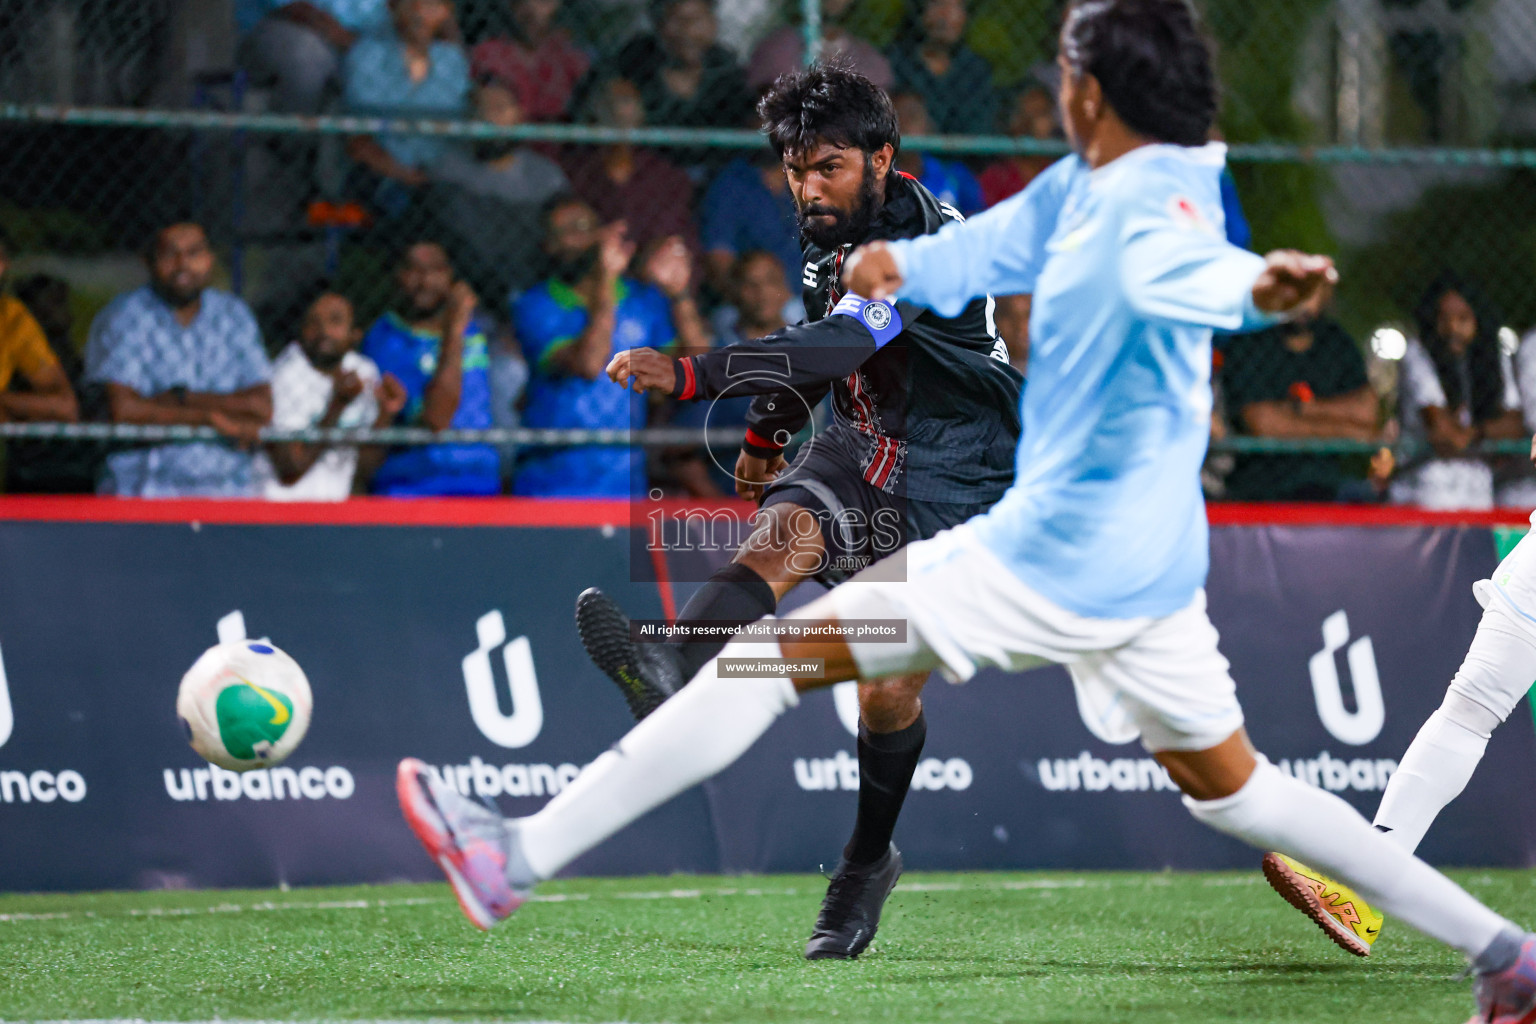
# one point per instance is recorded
(400, 154)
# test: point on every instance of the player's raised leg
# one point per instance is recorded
(694, 735)
(786, 547)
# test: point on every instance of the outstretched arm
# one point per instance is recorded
(796, 358)
(998, 252)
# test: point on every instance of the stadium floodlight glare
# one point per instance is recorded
(1509, 341)
(1389, 343)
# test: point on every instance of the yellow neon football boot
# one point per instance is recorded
(1346, 918)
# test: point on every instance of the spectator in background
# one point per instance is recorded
(783, 50)
(949, 180)
(759, 298)
(437, 346)
(177, 352)
(1031, 116)
(299, 46)
(320, 381)
(570, 326)
(33, 383)
(1301, 379)
(537, 61)
(685, 77)
(640, 187)
(490, 193)
(747, 207)
(933, 61)
(51, 467)
(1456, 388)
(415, 70)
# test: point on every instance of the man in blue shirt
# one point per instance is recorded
(570, 326)
(299, 44)
(748, 207)
(437, 347)
(1094, 559)
(179, 352)
(414, 71)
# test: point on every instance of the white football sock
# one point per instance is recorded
(1276, 812)
(1499, 668)
(704, 728)
(1433, 772)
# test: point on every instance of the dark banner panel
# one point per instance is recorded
(456, 645)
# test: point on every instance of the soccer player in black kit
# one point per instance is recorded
(926, 414)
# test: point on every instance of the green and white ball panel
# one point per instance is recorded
(245, 705)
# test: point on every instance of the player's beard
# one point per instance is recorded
(848, 226)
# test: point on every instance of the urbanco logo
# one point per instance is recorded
(1363, 724)
(42, 786)
(523, 725)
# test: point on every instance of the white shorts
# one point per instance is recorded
(1162, 678)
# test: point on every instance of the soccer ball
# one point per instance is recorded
(244, 705)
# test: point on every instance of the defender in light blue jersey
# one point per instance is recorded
(1095, 559)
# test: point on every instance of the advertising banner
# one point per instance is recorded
(456, 644)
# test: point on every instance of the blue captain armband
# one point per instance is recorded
(879, 318)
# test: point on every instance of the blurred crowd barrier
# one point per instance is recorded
(321, 144)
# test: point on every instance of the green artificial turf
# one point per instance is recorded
(971, 948)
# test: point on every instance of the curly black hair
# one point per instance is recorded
(831, 103)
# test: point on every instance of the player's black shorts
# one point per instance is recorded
(860, 523)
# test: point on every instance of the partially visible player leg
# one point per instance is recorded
(1498, 670)
(793, 540)
(891, 734)
(1274, 811)
(693, 736)
(699, 732)
(1175, 684)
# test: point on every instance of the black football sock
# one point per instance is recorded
(886, 763)
(734, 594)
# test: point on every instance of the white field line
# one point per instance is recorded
(1013, 885)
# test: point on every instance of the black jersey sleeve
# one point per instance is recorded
(797, 356)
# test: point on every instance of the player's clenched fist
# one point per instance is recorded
(871, 272)
(643, 369)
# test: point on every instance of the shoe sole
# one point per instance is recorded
(422, 816)
(1295, 891)
(604, 632)
(834, 954)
